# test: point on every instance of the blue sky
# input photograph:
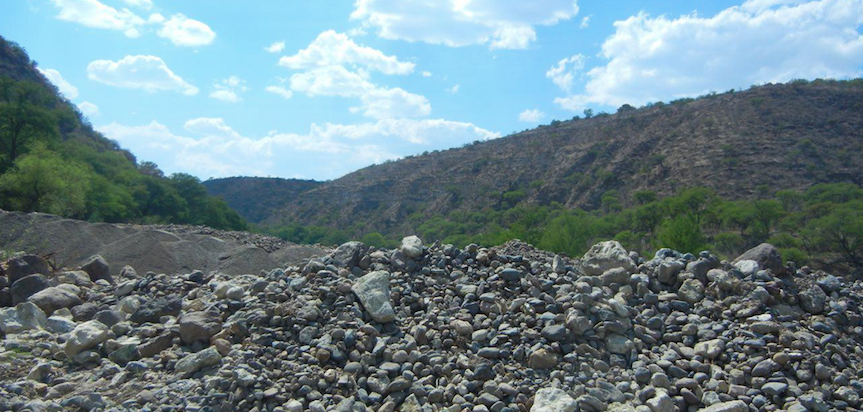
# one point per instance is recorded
(317, 89)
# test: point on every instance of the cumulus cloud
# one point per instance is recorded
(501, 24)
(54, 76)
(183, 31)
(660, 58)
(94, 14)
(337, 49)
(229, 90)
(563, 73)
(142, 4)
(531, 116)
(149, 73)
(331, 81)
(276, 47)
(281, 91)
(327, 151)
(88, 109)
(393, 104)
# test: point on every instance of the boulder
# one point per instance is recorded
(153, 309)
(412, 247)
(25, 287)
(23, 316)
(604, 256)
(730, 406)
(813, 299)
(85, 336)
(192, 363)
(543, 358)
(199, 326)
(373, 291)
(98, 269)
(53, 298)
(26, 265)
(767, 257)
(347, 254)
(661, 403)
(618, 344)
(710, 349)
(692, 290)
(553, 400)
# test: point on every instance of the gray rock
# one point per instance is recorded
(618, 344)
(710, 349)
(691, 290)
(98, 269)
(510, 274)
(27, 286)
(661, 403)
(813, 300)
(373, 291)
(606, 255)
(558, 265)
(543, 358)
(412, 247)
(199, 326)
(347, 254)
(731, 406)
(553, 400)
(53, 298)
(85, 336)
(192, 363)
(767, 257)
(19, 267)
(24, 316)
(153, 309)
(774, 388)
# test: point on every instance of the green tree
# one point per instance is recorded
(25, 115)
(568, 233)
(839, 233)
(42, 181)
(681, 234)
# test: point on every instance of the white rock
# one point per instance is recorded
(731, 406)
(412, 247)
(748, 267)
(373, 291)
(85, 336)
(23, 316)
(553, 400)
(59, 324)
(197, 361)
(606, 255)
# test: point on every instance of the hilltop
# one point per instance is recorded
(782, 136)
(257, 198)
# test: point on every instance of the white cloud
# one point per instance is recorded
(503, 24)
(326, 151)
(563, 73)
(330, 81)
(337, 49)
(454, 89)
(148, 73)
(531, 116)
(228, 90)
(142, 4)
(88, 109)
(94, 14)
(281, 91)
(393, 104)
(183, 31)
(276, 47)
(585, 22)
(657, 58)
(68, 90)
(427, 74)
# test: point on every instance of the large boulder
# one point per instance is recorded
(347, 255)
(53, 298)
(604, 256)
(553, 400)
(85, 336)
(412, 247)
(373, 291)
(199, 326)
(766, 256)
(26, 265)
(98, 269)
(27, 286)
(22, 317)
(153, 309)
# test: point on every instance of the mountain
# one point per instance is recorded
(53, 161)
(776, 136)
(257, 198)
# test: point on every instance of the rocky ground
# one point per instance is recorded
(426, 328)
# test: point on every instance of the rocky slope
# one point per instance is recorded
(437, 328)
(786, 136)
(257, 198)
(161, 249)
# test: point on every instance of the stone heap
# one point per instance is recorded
(426, 328)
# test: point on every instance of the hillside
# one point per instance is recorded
(785, 136)
(53, 161)
(257, 198)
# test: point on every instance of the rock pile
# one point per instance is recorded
(426, 328)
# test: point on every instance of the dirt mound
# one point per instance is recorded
(166, 249)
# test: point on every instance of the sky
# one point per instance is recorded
(316, 89)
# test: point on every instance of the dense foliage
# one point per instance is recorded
(822, 225)
(52, 161)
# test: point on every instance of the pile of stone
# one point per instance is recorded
(426, 328)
